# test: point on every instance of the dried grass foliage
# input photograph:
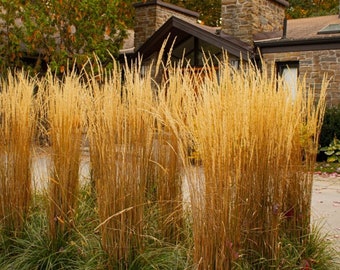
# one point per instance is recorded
(65, 105)
(120, 132)
(257, 144)
(250, 182)
(17, 120)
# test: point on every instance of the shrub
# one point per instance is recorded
(332, 151)
(331, 126)
(329, 130)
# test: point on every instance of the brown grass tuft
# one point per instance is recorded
(121, 132)
(64, 98)
(16, 132)
(257, 144)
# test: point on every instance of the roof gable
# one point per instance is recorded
(178, 30)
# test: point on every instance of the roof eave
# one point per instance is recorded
(283, 2)
(288, 45)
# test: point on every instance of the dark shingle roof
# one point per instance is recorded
(302, 34)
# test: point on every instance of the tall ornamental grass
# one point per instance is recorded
(16, 131)
(207, 169)
(65, 130)
(257, 144)
(166, 164)
(165, 184)
(120, 130)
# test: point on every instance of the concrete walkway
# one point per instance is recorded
(326, 206)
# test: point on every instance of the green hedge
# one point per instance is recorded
(330, 129)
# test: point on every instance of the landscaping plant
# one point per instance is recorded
(256, 144)
(204, 169)
(332, 151)
(65, 133)
(17, 120)
(120, 133)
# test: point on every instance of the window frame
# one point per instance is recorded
(287, 65)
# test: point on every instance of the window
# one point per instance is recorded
(289, 72)
(330, 29)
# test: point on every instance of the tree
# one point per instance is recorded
(66, 31)
(210, 10)
(311, 8)
(10, 35)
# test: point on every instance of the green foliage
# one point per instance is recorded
(326, 167)
(167, 258)
(330, 129)
(331, 126)
(312, 251)
(73, 30)
(210, 11)
(58, 31)
(10, 35)
(311, 8)
(332, 151)
(34, 250)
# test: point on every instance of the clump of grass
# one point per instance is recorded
(65, 132)
(165, 163)
(249, 184)
(311, 251)
(33, 249)
(121, 132)
(166, 183)
(16, 132)
(257, 144)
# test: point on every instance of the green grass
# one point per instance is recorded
(82, 250)
(312, 250)
(34, 250)
(326, 167)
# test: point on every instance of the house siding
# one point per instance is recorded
(313, 66)
(244, 18)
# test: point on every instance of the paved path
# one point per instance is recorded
(326, 206)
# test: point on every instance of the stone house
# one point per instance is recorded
(251, 29)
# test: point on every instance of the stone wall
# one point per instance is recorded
(244, 18)
(313, 65)
(150, 16)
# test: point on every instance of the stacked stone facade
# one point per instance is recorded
(150, 16)
(244, 18)
(313, 66)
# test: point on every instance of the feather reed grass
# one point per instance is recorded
(64, 99)
(257, 144)
(16, 133)
(165, 179)
(121, 130)
(243, 143)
